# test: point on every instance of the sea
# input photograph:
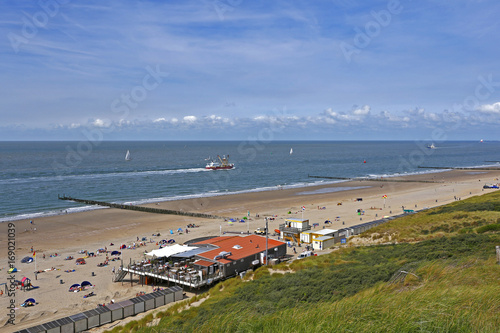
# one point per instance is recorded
(34, 174)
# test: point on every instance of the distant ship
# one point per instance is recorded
(223, 164)
(431, 146)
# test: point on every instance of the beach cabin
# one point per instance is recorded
(178, 296)
(104, 315)
(128, 308)
(149, 301)
(310, 235)
(116, 311)
(291, 229)
(306, 236)
(37, 329)
(169, 295)
(92, 318)
(323, 242)
(66, 325)
(79, 321)
(51, 327)
(159, 298)
(138, 305)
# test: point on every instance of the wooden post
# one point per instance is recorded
(498, 254)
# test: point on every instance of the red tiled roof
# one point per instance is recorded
(249, 245)
(204, 263)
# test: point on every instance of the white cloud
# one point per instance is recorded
(189, 119)
(100, 123)
(363, 111)
(490, 108)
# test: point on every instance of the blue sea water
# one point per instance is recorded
(33, 174)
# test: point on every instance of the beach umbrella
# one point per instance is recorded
(80, 261)
(32, 300)
(123, 246)
(116, 253)
(86, 283)
(171, 241)
(179, 229)
(74, 287)
(12, 270)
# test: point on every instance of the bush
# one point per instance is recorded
(489, 227)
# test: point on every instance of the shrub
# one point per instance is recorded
(489, 227)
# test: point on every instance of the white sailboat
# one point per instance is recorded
(291, 151)
(127, 156)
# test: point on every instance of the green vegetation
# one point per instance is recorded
(446, 282)
(460, 217)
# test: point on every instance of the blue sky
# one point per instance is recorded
(240, 69)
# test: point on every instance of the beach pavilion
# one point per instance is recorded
(206, 261)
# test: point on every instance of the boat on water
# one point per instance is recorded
(222, 164)
(127, 156)
(291, 151)
(431, 146)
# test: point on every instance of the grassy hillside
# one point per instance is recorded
(459, 217)
(447, 282)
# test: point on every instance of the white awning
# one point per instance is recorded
(169, 251)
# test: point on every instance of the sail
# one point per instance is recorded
(291, 151)
(127, 156)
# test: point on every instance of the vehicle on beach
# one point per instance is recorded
(260, 231)
(491, 186)
(222, 164)
(306, 254)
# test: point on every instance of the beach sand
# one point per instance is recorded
(70, 233)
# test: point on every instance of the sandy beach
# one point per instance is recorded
(68, 234)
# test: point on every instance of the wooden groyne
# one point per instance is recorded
(140, 208)
(458, 168)
(389, 180)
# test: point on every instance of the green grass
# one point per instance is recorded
(453, 284)
(460, 217)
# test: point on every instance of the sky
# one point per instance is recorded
(250, 70)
